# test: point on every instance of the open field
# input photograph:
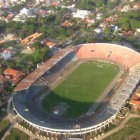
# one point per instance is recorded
(130, 132)
(26, 58)
(81, 88)
(31, 58)
(17, 135)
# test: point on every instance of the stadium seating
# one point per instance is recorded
(121, 54)
(51, 75)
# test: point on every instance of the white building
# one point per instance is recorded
(7, 54)
(126, 8)
(40, 1)
(98, 30)
(81, 14)
(99, 16)
(138, 30)
(25, 11)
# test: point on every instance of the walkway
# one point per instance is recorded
(8, 131)
(122, 125)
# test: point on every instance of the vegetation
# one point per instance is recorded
(81, 88)
(131, 131)
(129, 20)
(17, 135)
(90, 4)
(112, 4)
(29, 61)
(4, 124)
(3, 113)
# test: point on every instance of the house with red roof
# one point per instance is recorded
(128, 33)
(43, 13)
(14, 75)
(9, 17)
(126, 8)
(90, 21)
(136, 7)
(55, 3)
(1, 76)
(50, 44)
(68, 23)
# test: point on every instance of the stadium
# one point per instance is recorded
(36, 101)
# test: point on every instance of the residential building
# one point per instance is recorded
(81, 14)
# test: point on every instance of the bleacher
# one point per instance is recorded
(120, 54)
(55, 71)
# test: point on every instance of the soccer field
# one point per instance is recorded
(81, 88)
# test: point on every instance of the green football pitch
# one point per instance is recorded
(81, 88)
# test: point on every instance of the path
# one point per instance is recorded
(8, 131)
(122, 125)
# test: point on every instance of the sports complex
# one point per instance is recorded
(79, 90)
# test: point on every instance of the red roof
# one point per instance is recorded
(135, 99)
(54, 3)
(1, 76)
(110, 20)
(50, 43)
(128, 33)
(9, 51)
(68, 24)
(11, 71)
(137, 6)
(10, 16)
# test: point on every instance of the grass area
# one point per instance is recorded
(81, 88)
(27, 58)
(130, 132)
(32, 58)
(4, 124)
(2, 112)
(16, 134)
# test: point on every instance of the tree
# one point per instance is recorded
(5, 14)
(86, 4)
(32, 29)
(37, 45)
(107, 31)
(10, 43)
(42, 29)
(22, 35)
